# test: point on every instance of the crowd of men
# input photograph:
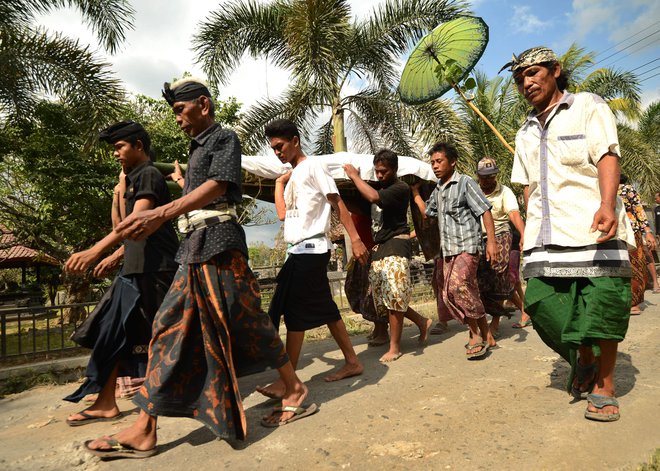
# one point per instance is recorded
(190, 320)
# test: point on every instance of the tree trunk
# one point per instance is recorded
(77, 291)
(339, 136)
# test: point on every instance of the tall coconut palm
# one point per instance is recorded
(620, 89)
(38, 63)
(640, 151)
(330, 55)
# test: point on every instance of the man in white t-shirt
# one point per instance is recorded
(304, 198)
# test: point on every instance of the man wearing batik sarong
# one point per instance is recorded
(119, 329)
(576, 234)
(210, 327)
(304, 198)
(495, 282)
(389, 274)
(458, 203)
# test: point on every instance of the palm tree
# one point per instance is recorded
(620, 89)
(640, 147)
(326, 51)
(38, 63)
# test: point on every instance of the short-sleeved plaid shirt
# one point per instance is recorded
(458, 205)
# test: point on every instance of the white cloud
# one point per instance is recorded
(612, 18)
(524, 21)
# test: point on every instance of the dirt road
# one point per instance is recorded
(430, 410)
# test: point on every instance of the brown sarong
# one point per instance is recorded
(639, 270)
(495, 284)
(209, 330)
(460, 290)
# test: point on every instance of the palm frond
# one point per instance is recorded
(108, 19)
(36, 63)
(611, 85)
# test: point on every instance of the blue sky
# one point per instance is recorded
(158, 48)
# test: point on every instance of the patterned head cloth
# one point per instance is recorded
(533, 56)
(188, 90)
(487, 166)
(120, 131)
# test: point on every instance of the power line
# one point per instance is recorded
(650, 70)
(627, 47)
(644, 65)
(649, 78)
(634, 51)
(626, 39)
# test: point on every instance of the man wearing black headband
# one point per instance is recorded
(576, 233)
(119, 330)
(210, 328)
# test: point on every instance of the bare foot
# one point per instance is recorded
(110, 413)
(440, 328)
(346, 371)
(424, 331)
(295, 398)
(140, 436)
(390, 357)
(275, 390)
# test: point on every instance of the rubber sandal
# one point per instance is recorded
(599, 401)
(480, 353)
(299, 413)
(582, 373)
(119, 451)
(90, 419)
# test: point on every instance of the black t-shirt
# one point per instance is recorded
(657, 220)
(215, 154)
(157, 252)
(389, 219)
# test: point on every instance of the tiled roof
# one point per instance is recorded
(13, 255)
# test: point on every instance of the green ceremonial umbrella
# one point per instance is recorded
(460, 42)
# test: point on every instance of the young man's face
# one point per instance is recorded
(657, 198)
(537, 84)
(127, 154)
(443, 168)
(285, 150)
(384, 173)
(190, 117)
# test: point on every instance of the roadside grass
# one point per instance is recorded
(653, 464)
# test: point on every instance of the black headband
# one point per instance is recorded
(187, 92)
(120, 131)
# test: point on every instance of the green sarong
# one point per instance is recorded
(570, 312)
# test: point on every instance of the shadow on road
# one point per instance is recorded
(624, 376)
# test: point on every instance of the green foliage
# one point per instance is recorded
(167, 141)
(36, 62)
(326, 50)
(263, 256)
(54, 194)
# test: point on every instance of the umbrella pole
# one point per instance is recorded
(480, 114)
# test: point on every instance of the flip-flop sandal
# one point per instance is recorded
(119, 451)
(480, 353)
(90, 419)
(582, 374)
(599, 401)
(522, 325)
(298, 413)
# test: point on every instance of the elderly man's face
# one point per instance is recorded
(538, 84)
